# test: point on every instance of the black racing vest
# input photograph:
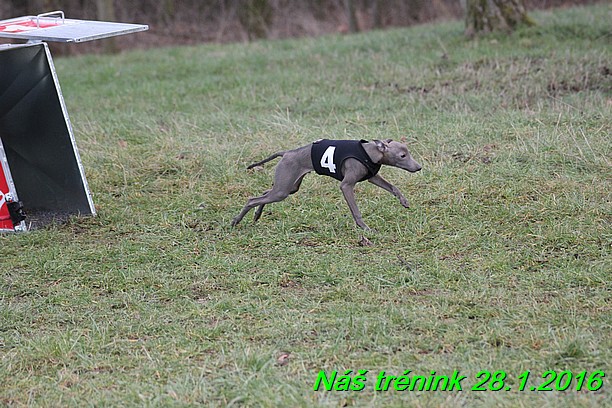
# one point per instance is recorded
(328, 156)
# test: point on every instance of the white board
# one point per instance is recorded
(54, 27)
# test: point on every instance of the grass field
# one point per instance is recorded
(503, 262)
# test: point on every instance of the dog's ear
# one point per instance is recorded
(388, 140)
(381, 145)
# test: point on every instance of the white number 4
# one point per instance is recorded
(327, 160)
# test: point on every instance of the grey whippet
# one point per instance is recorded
(334, 158)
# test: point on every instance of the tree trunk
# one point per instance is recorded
(255, 16)
(167, 11)
(106, 12)
(377, 21)
(352, 17)
(484, 16)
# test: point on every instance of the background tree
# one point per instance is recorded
(377, 20)
(255, 16)
(106, 12)
(483, 16)
(353, 26)
(191, 21)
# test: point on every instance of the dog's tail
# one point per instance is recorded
(259, 163)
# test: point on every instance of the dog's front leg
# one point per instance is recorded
(377, 180)
(348, 190)
(353, 172)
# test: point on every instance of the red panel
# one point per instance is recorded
(5, 218)
(26, 25)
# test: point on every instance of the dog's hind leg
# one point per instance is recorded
(259, 210)
(287, 180)
(295, 189)
(272, 196)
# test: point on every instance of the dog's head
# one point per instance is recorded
(396, 154)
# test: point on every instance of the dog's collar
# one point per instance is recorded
(373, 167)
(369, 159)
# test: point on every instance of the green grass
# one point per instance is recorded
(503, 263)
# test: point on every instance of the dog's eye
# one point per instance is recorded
(403, 155)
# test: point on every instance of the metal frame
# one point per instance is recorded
(38, 151)
(38, 138)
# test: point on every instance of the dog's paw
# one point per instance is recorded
(404, 202)
(364, 241)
